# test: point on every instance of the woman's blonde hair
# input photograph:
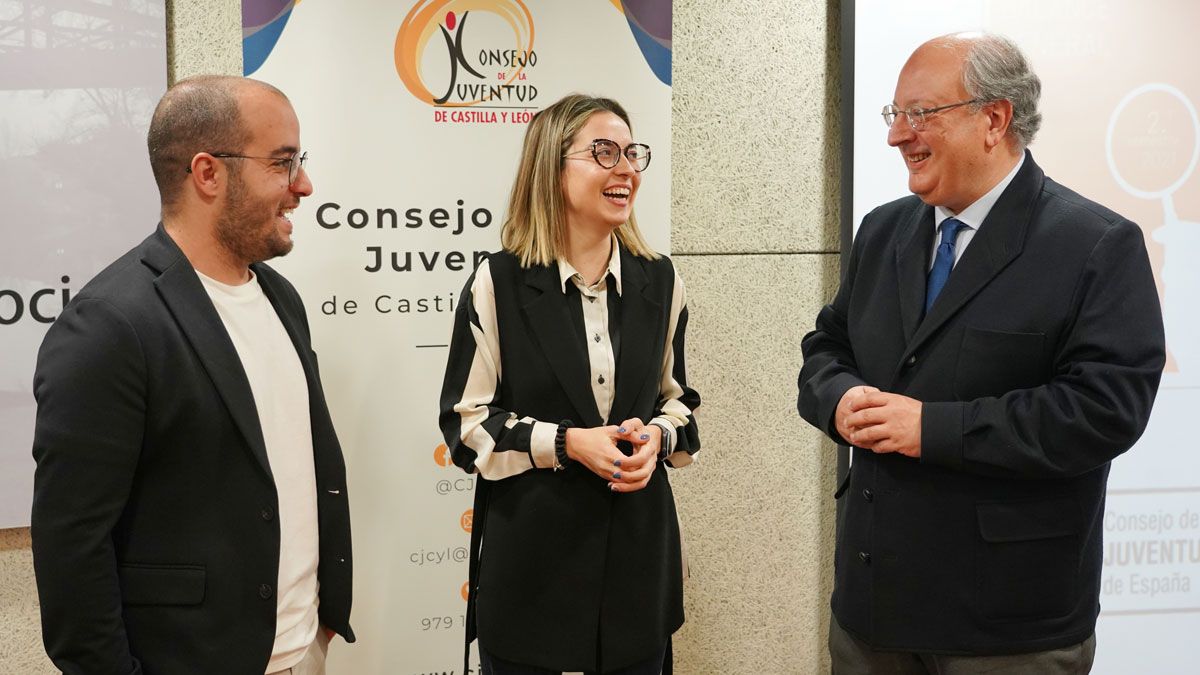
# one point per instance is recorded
(535, 227)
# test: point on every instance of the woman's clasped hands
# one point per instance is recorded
(596, 448)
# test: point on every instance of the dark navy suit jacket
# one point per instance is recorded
(1037, 365)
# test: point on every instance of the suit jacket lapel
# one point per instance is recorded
(640, 314)
(297, 330)
(188, 302)
(294, 326)
(1000, 239)
(912, 266)
(552, 327)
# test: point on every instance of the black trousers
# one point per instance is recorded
(491, 665)
(851, 656)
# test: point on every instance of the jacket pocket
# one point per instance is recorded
(1027, 559)
(145, 584)
(993, 363)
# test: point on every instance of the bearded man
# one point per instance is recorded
(189, 510)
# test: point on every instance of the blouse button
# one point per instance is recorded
(601, 380)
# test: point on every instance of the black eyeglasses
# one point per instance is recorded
(918, 118)
(607, 154)
(293, 163)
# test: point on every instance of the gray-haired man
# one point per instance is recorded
(995, 343)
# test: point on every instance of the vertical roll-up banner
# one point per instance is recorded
(78, 83)
(1120, 94)
(413, 113)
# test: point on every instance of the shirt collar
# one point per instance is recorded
(566, 271)
(973, 215)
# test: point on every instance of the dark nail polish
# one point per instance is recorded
(622, 430)
(617, 475)
(616, 462)
(645, 437)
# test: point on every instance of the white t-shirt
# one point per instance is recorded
(281, 399)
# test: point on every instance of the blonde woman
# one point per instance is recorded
(566, 392)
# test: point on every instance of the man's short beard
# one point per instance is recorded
(240, 230)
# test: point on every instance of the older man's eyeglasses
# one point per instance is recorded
(292, 163)
(607, 154)
(918, 118)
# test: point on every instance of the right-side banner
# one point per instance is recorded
(1119, 100)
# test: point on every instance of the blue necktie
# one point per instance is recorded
(943, 262)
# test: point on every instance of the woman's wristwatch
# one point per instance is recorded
(664, 449)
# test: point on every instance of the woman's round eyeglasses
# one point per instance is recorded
(607, 154)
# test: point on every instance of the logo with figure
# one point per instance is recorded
(1152, 147)
(458, 53)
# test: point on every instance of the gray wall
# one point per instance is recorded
(755, 235)
(754, 230)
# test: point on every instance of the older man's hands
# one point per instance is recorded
(879, 421)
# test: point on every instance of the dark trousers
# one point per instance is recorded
(851, 656)
(491, 665)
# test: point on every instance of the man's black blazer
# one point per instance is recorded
(1037, 365)
(155, 529)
